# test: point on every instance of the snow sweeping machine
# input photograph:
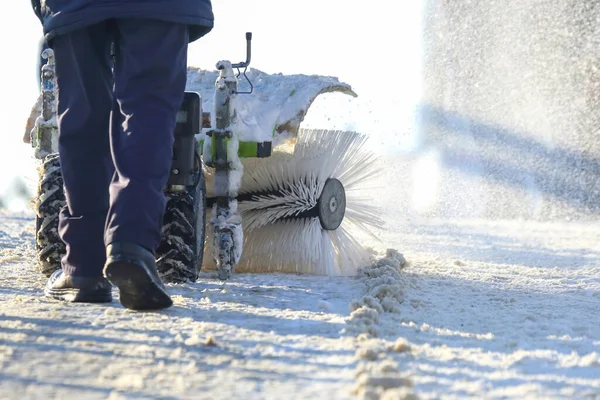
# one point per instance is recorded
(249, 190)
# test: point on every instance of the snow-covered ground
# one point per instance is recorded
(257, 336)
(499, 309)
(493, 309)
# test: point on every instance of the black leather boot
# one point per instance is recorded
(78, 289)
(132, 268)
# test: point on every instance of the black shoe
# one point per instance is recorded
(78, 289)
(132, 268)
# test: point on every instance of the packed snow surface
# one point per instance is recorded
(466, 309)
(255, 336)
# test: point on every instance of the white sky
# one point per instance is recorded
(374, 46)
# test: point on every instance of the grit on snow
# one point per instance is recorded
(494, 309)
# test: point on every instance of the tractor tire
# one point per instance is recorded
(49, 201)
(180, 253)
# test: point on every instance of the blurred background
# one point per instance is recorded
(478, 109)
(510, 107)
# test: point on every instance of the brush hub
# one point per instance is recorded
(332, 204)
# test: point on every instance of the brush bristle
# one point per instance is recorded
(274, 240)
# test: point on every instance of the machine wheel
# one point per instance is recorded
(50, 200)
(180, 253)
(179, 256)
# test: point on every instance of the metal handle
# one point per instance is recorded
(245, 64)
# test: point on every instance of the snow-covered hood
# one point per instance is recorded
(277, 105)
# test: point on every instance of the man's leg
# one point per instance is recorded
(150, 76)
(84, 77)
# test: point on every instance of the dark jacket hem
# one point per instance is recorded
(63, 23)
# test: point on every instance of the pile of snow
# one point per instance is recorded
(378, 375)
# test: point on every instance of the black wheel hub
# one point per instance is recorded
(332, 204)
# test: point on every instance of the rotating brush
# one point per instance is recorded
(303, 210)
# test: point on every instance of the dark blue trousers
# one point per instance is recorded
(116, 125)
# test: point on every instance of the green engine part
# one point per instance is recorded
(248, 149)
